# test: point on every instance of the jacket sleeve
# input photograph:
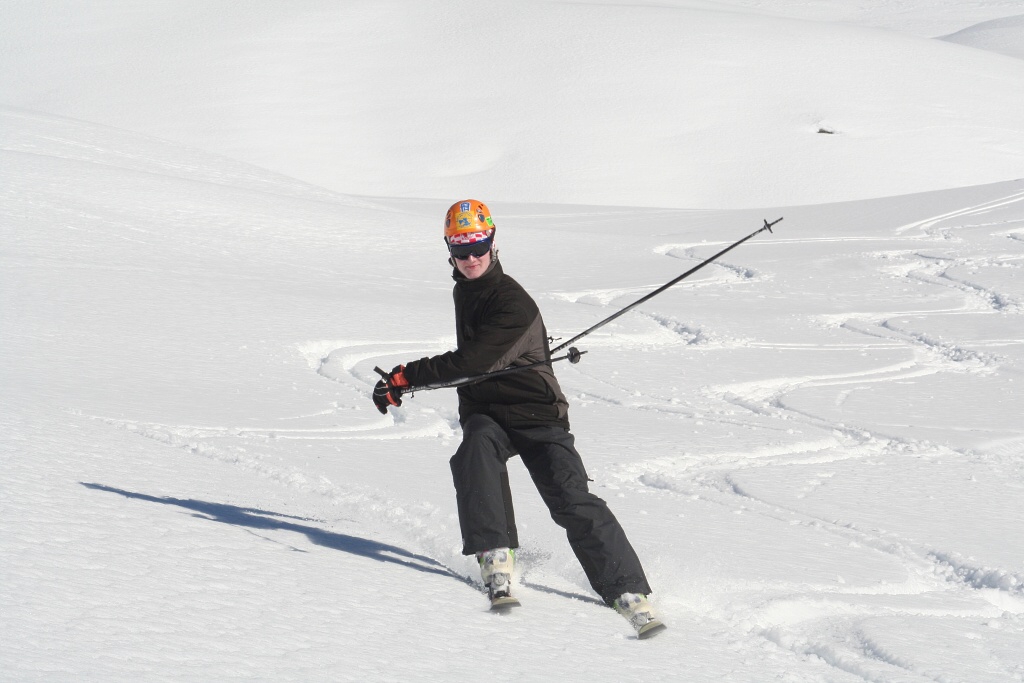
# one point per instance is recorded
(501, 338)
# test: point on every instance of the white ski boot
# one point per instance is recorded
(639, 613)
(496, 570)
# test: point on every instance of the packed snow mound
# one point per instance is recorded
(644, 105)
(1005, 36)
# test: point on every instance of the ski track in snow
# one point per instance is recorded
(709, 478)
(806, 620)
(822, 477)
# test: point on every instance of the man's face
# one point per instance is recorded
(474, 266)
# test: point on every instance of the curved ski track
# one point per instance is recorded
(807, 622)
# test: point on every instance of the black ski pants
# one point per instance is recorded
(485, 501)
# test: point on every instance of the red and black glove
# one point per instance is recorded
(388, 391)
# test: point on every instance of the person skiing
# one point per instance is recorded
(498, 325)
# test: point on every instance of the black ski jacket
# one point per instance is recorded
(497, 325)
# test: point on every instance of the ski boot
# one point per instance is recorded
(638, 612)
(496, 571)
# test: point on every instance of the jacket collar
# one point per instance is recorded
(491, 275)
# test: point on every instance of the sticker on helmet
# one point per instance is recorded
(464, 206)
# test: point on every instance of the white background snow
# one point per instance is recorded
(218, 217)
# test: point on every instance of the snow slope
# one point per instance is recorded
(197, 488)
(1005, 36)
(924, 18)
(815, 444)
(683, 104)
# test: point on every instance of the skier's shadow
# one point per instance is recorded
(262, 519)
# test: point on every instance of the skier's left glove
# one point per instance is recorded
(388, 391)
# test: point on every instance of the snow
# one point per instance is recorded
(998, 35)
(218, 218)
(636, 104)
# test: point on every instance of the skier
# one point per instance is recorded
(498, 325)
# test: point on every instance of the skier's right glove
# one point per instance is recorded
(388, 391)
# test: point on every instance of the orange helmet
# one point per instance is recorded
(467, 222)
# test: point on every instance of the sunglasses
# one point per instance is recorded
(464, 251)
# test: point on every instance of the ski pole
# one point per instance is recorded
(573, 356)
(767, 226)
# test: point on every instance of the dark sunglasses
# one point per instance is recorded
(464, 251)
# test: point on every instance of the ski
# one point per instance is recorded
(650, 629)
(503, 603)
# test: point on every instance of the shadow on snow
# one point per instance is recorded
(262, 519)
